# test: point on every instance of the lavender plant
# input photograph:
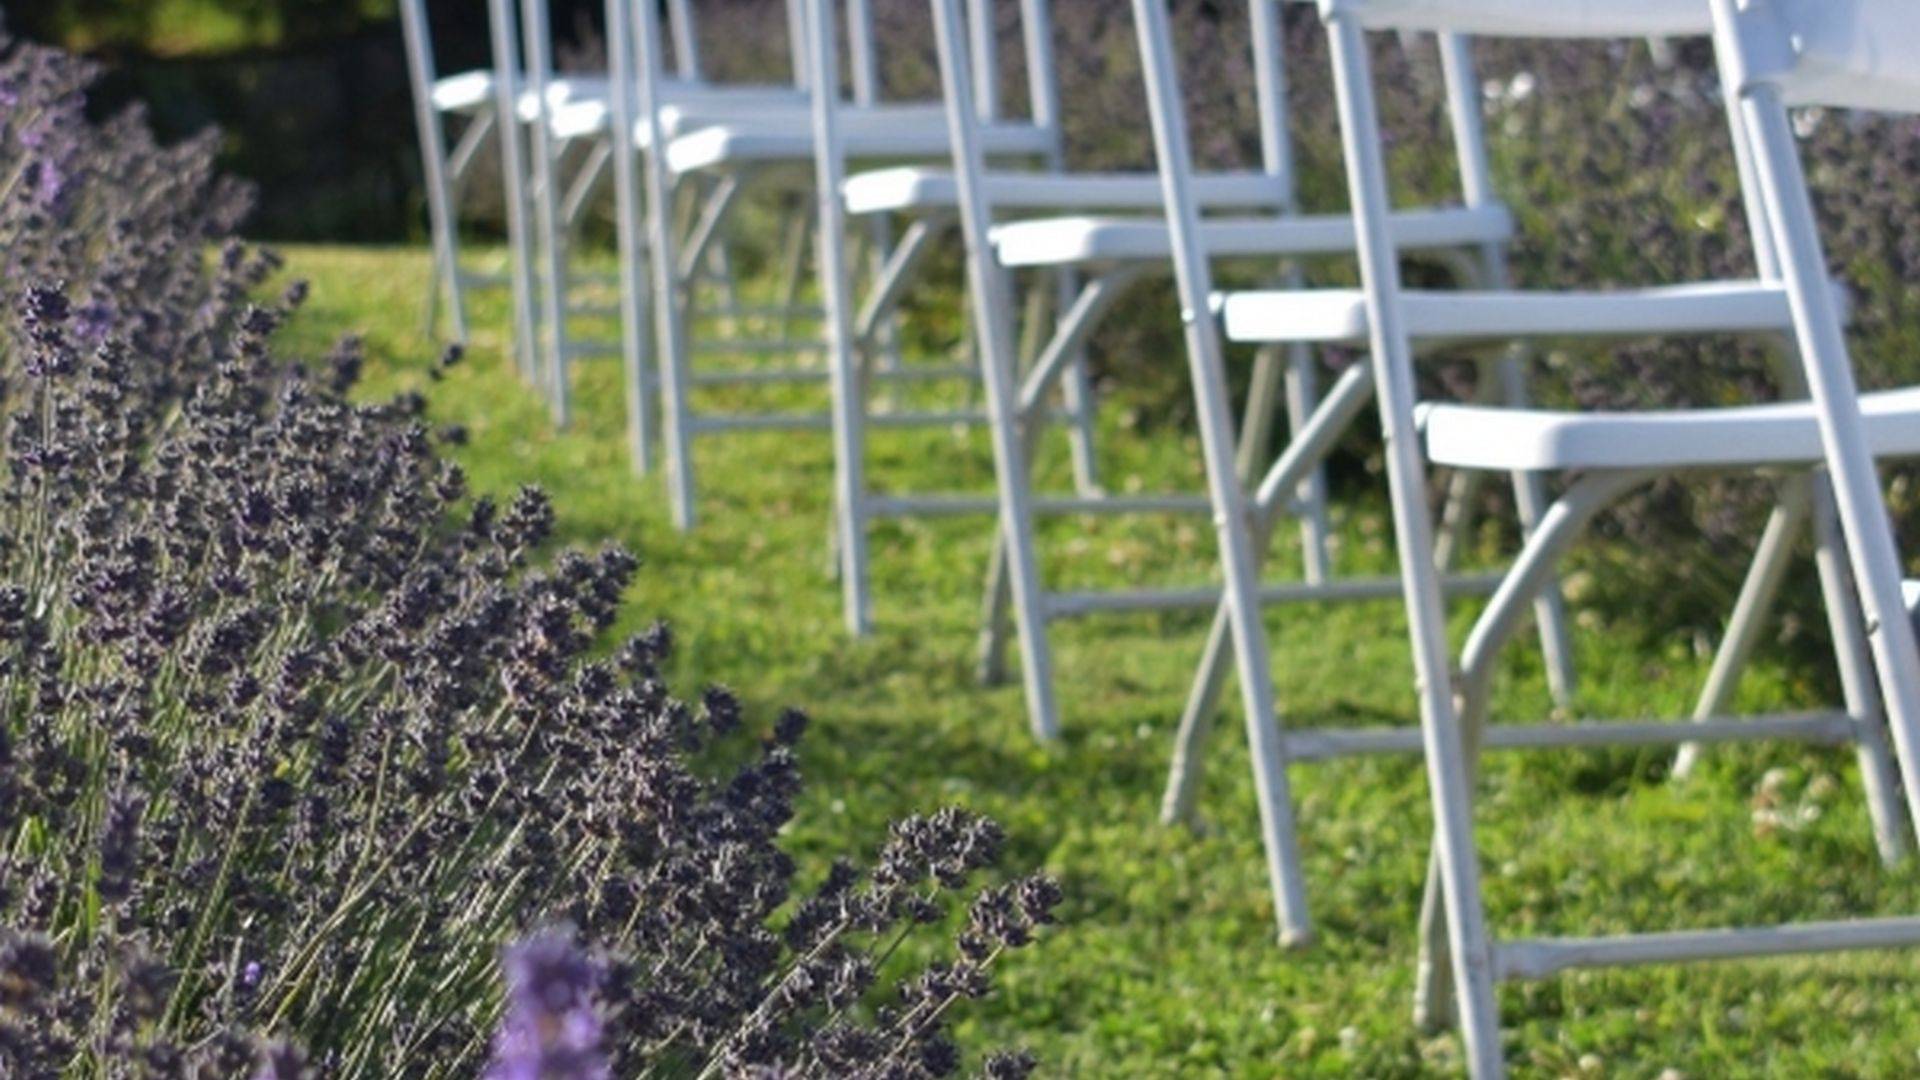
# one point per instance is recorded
(294, 731)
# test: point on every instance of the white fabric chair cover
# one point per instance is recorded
(1862, 54)
(1538, 18)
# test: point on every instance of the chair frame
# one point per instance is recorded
(709, 213)
(1741, 33)
(559, 202)
(1456, 938)
(859, 340)
(1280, 374)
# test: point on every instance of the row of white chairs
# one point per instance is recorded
(1088, 260)
(960, 167)
(1822, 439)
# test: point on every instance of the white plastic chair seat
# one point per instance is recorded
(466, 92)
(589, 116)
(687, 105)
(1861, 55)
(1783, 433)
(1340, 315)
(916, 187)
(1532, 18)
(1081, 240)
(472, 91)
(578, 119)
(903, 131)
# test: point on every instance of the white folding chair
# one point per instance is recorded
(1118, 251)
(923, 199)
(574, 130)
(1862, 54)
(469, 97)
(1608, 453)
(776, 153)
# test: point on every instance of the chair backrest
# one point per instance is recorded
(1533, 18)
(981, 27)
(415, 28)
(1454, 20)
(1862, 54)
(1267, 41)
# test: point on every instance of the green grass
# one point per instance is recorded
(1167, 962)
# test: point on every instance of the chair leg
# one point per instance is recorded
(444, 278)
(1266, 388)
(887, 333)
(1296, 385)
(1095, 299)
(1240, 564)
(1531, 574)
(1076, 387)
(506, 53)
(720, 265)
(1456, 514)
(1879, 774)
(553, 281)
(445, 271)
(585, 185)
(1757, 593)
(849, 427)
(1861, 507)
(670, 351)
(1177, 804)
(480, 131)
(987, 290)
(793, 266)
(1302, 393)
(996, 624)
(844, 382)
(1448, 777)
(1530, 499)
(1312, 441)
(629, 229)
(996, 628)
(1014, 599)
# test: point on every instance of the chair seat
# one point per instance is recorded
(687, 105)
(883, 131)
(1080, 240)
(577, 119)
(1531, 18)
(1784, 433)
(466, 92)
(1858, 55)
(914, 187)
(472, 91)
(1340, 315)
(687, 111)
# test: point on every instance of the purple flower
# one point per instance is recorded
(551, 1030)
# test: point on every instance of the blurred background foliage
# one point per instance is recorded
(311, 95)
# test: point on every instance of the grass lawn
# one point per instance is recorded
(1167, 962)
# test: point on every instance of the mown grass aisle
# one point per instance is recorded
(1167, 962)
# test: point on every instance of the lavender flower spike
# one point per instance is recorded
(551, 1030)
